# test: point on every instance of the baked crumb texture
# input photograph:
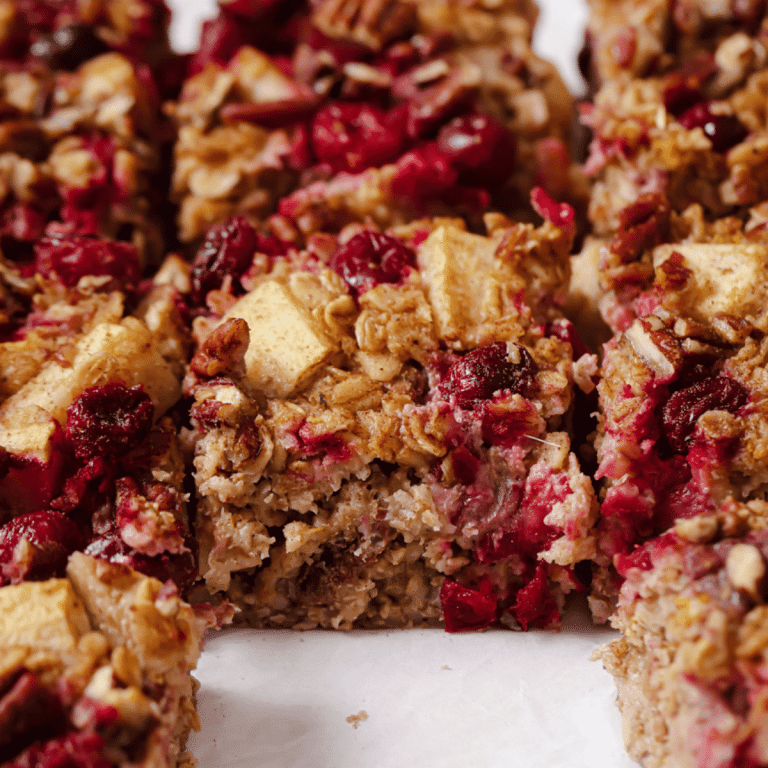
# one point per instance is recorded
(382, 428)
(344, 111)
(95, 670)
(690, 664)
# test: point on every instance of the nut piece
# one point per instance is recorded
(45, 615)
(725, 279)
(109, 353)
(286, 345)
(745, 568)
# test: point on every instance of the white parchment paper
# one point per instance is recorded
(418, 698)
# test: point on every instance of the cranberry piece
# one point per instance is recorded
(227, 250)
(467, 608)
(70, 258)
(486, 370)
(53, 538)
(75, 750)
(219, 39)
(679, 97)
(480, 148)
(68, 47)
(28, 712)
(724, 131)
(352, 137)
(685, 407)
(181, 569)
(535, 606)
(371, 258)
(424, 174)
(559, 214)
(108, 421)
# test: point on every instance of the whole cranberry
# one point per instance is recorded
(684, 408)
(53, 538)
(466, 608)
(724, 131)
(219, 40)
(352, 137)
(70, 258)
(486, 370)
(480, 148)
(108, 421)
(228, 249)
(371, 258)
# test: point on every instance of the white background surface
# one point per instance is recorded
(481, 700)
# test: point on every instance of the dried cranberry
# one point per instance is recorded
(684, 408)
(181, 568)
(68, 47)
(466, 608)
(352, 137)
(724, 131)
(108, 421)
(70, 258)
(535, 606)
(52, 536)
(486, 370)
(28, 712)
(371, 258)
(227, 250)
(480, 148)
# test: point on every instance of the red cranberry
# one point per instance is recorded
(559, 214)
(68, 47)
(70, 258)
(535, 606)
(724, 131)
(108, 421)
(684, 408)
(424, 175)
(486, 370)
(75, 750)
(29, 712)
(642, 225)
(181, 569)
(227, 250)
(219, 39)
(480, 148)
(371, 258)
(466, 608)
(53, 538)
(679, 97)
(352, 137)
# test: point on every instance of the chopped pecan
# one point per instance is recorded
(372, 23)
(223, 352)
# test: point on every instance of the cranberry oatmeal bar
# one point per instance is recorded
(369, 110)
(381, 425)
(95, 670)
(690, 666)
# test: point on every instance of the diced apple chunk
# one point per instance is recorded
(725, 279)
(109, 353)
(287, 346)
(44, 615)
(457, 269)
